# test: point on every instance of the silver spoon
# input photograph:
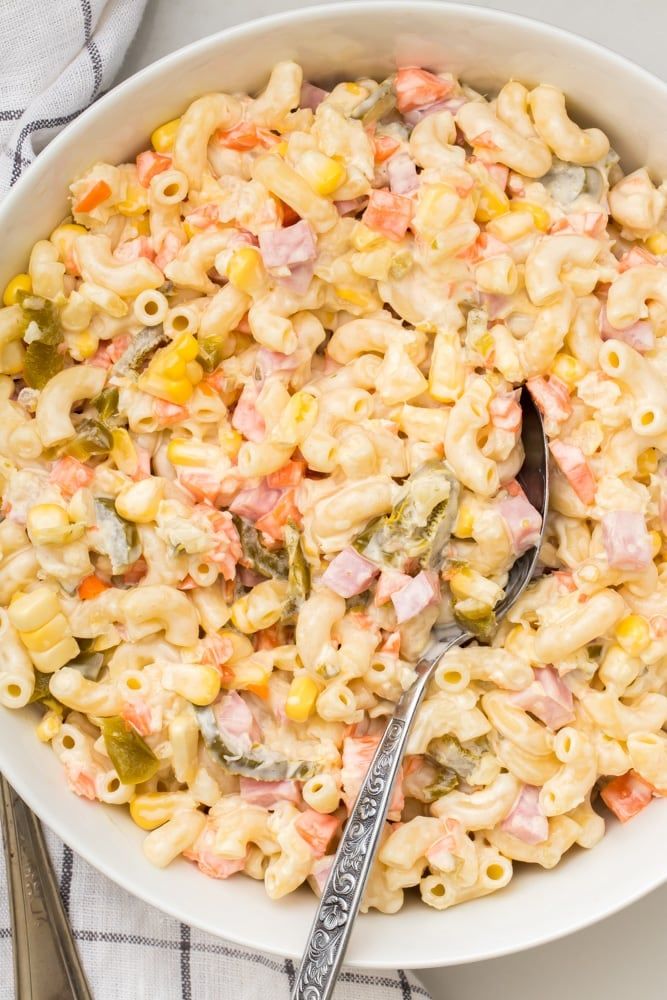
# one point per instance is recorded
(46, 962)
(344, 889)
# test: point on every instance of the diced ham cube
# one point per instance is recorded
(639, 335)
(548, 698)
(255, 503)
(389, 214)
(317, 829)
(505, 412)
(311, 96)
(402, 172)
(358, 752)
(626, 540)
(389, 583)
(246, 418)
(289, 245)
(451, 104)
(572, 463)
(349, 573)
(299, 278)
(235, 721)
(269, 362)
(269, 793)
(419, 593)
(523, 521)
(350, 206)
(551, 397)
(627, 795)
(526, 820)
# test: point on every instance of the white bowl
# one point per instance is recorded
(485, 47)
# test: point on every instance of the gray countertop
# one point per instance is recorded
(624, 956)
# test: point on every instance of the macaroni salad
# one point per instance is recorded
(261, 430)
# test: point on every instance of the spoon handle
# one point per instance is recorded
(344, 889)
(46, 962)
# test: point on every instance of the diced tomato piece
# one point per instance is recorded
(70, 475)
(384, 146)
(290, 475)
(274, 522)
(317, 829)
(388, 213)
(416, 88)
(627, 795)
(98, 193)
(149, 165)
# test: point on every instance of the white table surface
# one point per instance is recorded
(625, 956)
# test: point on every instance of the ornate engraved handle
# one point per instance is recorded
(46, 962)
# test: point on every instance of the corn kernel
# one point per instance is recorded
(301, 698)
(245, 270)
(464, 522)
(568, 369)
(540, 215)
(322, 173)
(176, 391)
(162, 139)
(647, 462)
(135, 201)
(657, 244)
(230, 441)
(142, 226)
(492, 203)
(48, 727)
(82, 344)
(186, 452)
(151, 810)
(19, 283)
(356, 297)
(140, 501)
(31, 611)
(633, 634)
(656, 543)
(48, 524)
(281, 148)
(123, 452)
(46, 636)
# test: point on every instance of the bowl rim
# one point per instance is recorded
(74, 837)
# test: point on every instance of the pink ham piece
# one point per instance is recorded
(291, 245)
(311, 96)
(235, 721)
(349, 573)
(451, 104)
(317, 829)
(389, 583)
(626, 540)
(526, 821)
(246, 418)
(357, 755)
(269, 793)
(203, 853)
(320, 872)
(402, 172)
(548, 698)
(419, 593)
(269, 362)
(524, 523)
(505, 412)
(255, 503)
(299, 278)
(639, 335)
(551, 397)
(350, 206)
(572, 463)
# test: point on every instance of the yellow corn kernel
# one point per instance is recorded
(657, 244)
(135, 201)
(19, 283)
(540, 215)
(140, 501)
(162, 139)
(464, 522)
(176, 391)
(48, 524)
(356, 296)
(363, 238)
(647, 462)
(230, 441)
(633, 634)
(301, 698)
(151, 810)
(48, 727)
(322, 173)
(245, 270)
(123, 452)
(568, 369)
(142, 226)
(492, 203)
(31, 611)
(188, 452)
(353, 88)
(45, 637)
(656, 543)
(485, 344)
(281, 148)
(82, 344)
(241, 645)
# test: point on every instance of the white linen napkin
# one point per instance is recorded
(56, 57)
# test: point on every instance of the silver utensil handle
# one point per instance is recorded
(46, 962)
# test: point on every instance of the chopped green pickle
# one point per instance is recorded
(120, 539)
(476, 618)
(88, 664)
(211, 352)
(135, 358)
(259, 762)
(42, 361)
(257, 557)
(92, 439)
(131, 756)
(298, 576)
(106, 403)
(42, 693)
(44, 314)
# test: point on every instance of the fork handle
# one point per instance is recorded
(345, 885)
(46, 962)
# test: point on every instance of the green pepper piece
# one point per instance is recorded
(106, 403)
(445, 783)
(42, 361)
(476, 618)
(211, 351)
(259, 762)
(131, 756)
(135, 357)
(298, 576)
(460, 758)
(88, 664)
(45, 314)
(270, 564)
(42, 693)
(92, 439)
(120, 537)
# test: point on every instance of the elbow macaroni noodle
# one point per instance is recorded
(214, 383)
